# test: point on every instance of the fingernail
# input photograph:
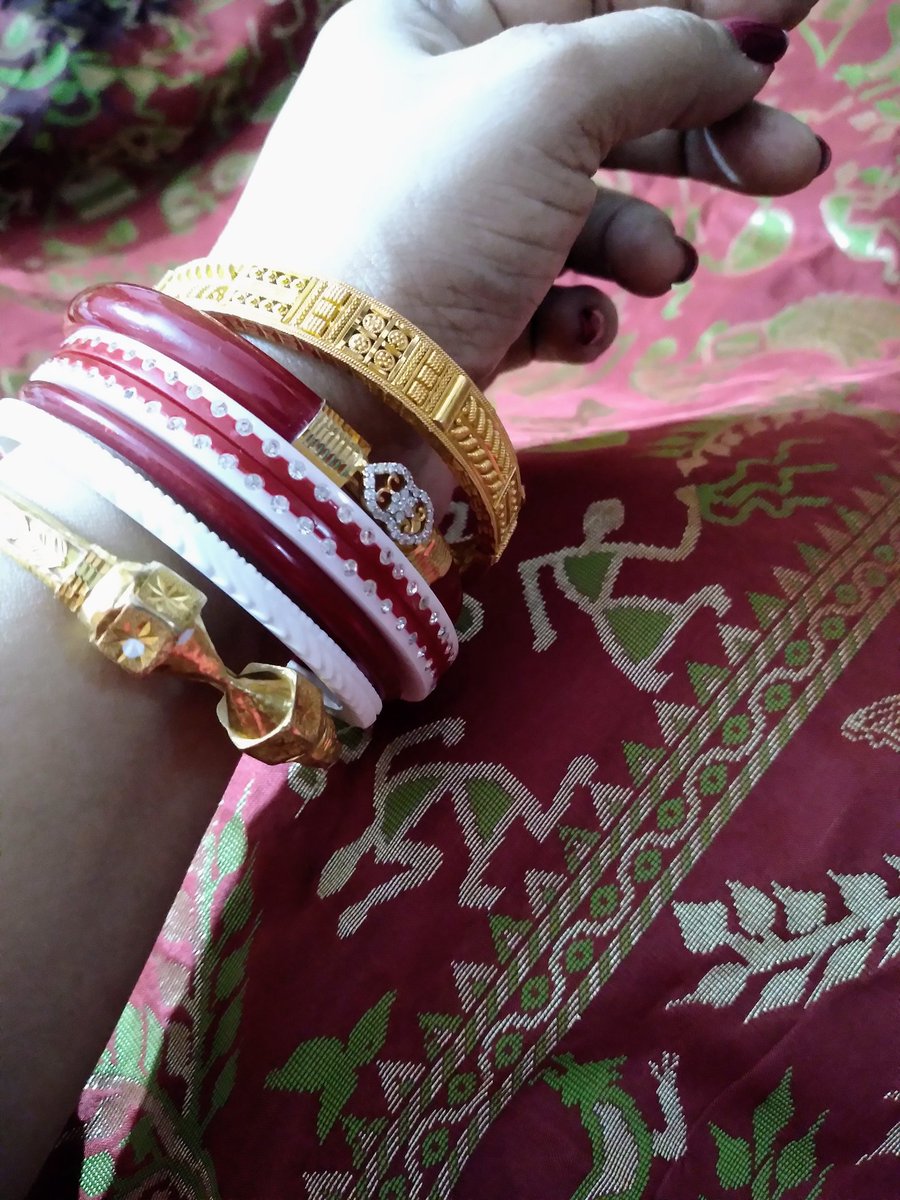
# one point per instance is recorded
(760, 42)
(825, 160)
(691, 261)
(591, 327)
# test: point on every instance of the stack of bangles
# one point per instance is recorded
(160, 403)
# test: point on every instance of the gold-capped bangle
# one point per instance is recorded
(410, 371)
(334, 446)
(144, 617)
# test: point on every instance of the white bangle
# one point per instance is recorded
(212, 459)
(346, 687)
(422, 637)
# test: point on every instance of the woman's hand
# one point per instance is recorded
(439, 155)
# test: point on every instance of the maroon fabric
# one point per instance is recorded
(615, 912)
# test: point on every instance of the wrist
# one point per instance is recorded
(239, 636)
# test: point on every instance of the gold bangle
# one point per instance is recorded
(144, 617)
(410, 371)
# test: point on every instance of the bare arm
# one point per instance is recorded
(106, 786)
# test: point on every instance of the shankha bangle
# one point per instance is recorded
(347, 691)
(402, 364)
(285, 484)
(225, 361)
(314, 540)
(265, 547)
(318, 442)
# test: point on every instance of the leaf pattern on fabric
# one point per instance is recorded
(330, 1068)
(842, 948)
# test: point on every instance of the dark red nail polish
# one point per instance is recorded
(591, 327)
(825, 160)
(760, 42)
(691, 261)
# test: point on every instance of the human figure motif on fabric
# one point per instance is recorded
(636, 631)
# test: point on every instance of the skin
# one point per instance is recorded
(462, 211)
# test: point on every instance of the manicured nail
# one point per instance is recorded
(691, 261)
(760, 42)
(591, 327)
(825, 160)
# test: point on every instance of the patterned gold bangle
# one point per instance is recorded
(410, 371)
(145, 617)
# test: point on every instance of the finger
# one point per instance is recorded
(633, 243)
(441, 29)
(572, 324)
(629, 74)
(786, 13)
(759, 150)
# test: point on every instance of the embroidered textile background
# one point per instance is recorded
(615, 914)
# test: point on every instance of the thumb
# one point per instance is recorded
(627, 74)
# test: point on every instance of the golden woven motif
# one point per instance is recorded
(334, 446)
(414, 376)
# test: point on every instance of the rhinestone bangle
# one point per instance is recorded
(347, 691)
(283, 484)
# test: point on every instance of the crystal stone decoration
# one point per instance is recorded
(133, 647)
(393, 499)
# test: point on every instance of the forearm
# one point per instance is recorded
(106, 786)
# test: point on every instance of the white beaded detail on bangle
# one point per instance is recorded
(223, 407)
(345, 685)
(419, 676)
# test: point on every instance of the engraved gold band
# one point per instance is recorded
(145, 617)
(410, 371)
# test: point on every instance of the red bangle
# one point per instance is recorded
(345, 524)
(265, 547)
(221, 357)
(260, 383)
